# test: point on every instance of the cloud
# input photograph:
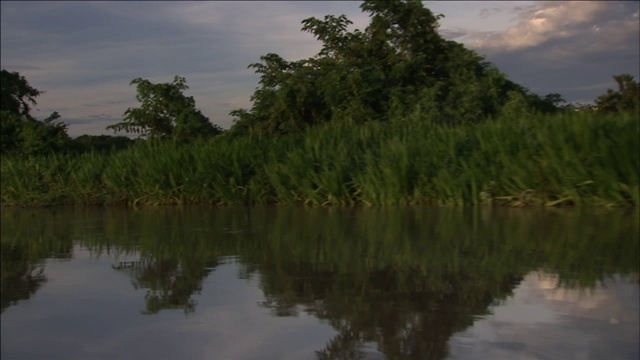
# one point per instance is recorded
(20, 68)
(536, 26)
(570, 47)
(485, 13)
(258, 28)
(452, 33)
(84, 54)
(551, 21)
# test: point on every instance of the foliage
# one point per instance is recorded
(397, 67)
(21, 133)
(16, 95)
(625, 99)
(572, 158)
(165, 112)
(27, 136)
(46, 136)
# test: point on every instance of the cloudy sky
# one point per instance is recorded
(84, 54)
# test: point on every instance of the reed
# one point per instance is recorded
(579, 159)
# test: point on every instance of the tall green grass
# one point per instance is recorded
(567, 159)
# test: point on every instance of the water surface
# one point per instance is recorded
(293, 283)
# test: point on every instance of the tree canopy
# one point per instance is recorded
(165, 112)
(625, 99)
(16, 95)
(19, 131)
(397, 67)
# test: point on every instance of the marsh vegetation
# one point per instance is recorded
(566, 159)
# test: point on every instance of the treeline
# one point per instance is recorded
(568, 159)
(395, 82)
(23, 135)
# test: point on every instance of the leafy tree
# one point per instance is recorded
(45, 136)
(16, 95)
(165, 112)
(19, 131)
(398, 67)
(625, 99)
(10, 125)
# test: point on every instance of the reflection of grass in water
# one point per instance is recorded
(424, 240)
(348, 240)
(579, 159)
(399, 277)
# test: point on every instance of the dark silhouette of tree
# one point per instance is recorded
(21, 133)
(625, 99)
(16, 95)
(165, 112)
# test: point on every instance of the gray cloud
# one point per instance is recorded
(84, 54)
(573, 48)
(89, 52)
(453, 33)
(575, 22)
(485, 13)
(18, 68)
(91, 119)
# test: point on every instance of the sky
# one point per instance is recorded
(84, 54)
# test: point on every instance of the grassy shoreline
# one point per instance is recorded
(579, 159)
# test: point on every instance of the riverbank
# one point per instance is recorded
(575, 159)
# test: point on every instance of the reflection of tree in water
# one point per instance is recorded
(406, 281)
(407, 313)
(175, 256)
(22, 265)
(170, 284)
(402, 280)
(21, 277)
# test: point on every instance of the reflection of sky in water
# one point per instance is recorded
(227, 322)
(544, 321)
(540, 321)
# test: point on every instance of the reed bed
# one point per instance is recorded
(577, 159)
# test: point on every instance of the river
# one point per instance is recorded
(320, 283)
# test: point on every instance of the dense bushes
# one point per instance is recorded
(563, 159)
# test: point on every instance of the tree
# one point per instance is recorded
(46, 136)
(16, 95)
(19, 131)
(625, 99)
(165, 112)
(398, 67)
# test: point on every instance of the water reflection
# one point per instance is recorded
(21, 278)
(406, 283)
(170, 284)
(22, 262)
(544, 320)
